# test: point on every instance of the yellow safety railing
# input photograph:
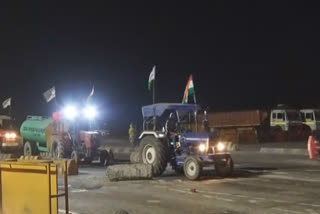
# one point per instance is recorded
(32, 187)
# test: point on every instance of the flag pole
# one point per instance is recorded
(154, 88)
(10, 111)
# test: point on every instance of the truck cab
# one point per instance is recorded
(285, 119)
(311, 118)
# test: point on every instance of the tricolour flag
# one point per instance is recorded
(189, 91)
(49, 94)
(6, 103)
(152, 76)
(91, 94)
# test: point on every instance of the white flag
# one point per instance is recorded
(50, 94)
(6, 103)
(151, 77)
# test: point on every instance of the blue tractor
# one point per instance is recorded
(170, 136)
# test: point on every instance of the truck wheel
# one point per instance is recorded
(192, 168)
(153, 151)
(28, 149)
(224, 166)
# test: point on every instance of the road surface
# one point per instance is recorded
(262, 183)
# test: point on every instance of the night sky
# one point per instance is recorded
(242, 54)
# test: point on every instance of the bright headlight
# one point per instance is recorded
(70, 112)
(10, 135)
(221, 146)
(202, 147)
(90, 112)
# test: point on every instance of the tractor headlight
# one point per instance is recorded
(90, 112)
(10, 135)
(221, 147)
(70, 112)
(202, 147)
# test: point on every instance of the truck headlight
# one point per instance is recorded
(90, 112)
(10, 135)
(221, 146)
(202, 147)
(70, 112)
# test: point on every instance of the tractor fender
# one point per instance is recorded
(155, 134)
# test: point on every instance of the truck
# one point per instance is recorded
(279, 124)
(168, 137)
(311, 118)
(59, 138)
(10, 139)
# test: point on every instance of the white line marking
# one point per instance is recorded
(178, 190)
(153, 201)
(307, 204)
(280, 201)
(258, 198)
(252, 201)
(287, 211)
(64, 211)
(291, 178)
(78, 190)
(224, 199)
(241, 196)
(312, 170)
(215, 193)
(207, 196)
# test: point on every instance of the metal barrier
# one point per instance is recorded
(31, 186)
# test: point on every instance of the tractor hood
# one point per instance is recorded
(195, 138)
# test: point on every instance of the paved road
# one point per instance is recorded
(262, 183)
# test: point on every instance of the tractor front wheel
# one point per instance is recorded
(192, 168)
(57, 150)
(75, 157)
(155, 152)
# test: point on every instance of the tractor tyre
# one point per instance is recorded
(192, 168)
(224, 166)
(155, 152)
(29, 149)
(57, 150)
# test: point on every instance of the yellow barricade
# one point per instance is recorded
(31, 187)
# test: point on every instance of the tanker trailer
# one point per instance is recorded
(43, 134)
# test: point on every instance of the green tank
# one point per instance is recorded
(35, 129)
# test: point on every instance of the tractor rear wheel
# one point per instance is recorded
(155, 152)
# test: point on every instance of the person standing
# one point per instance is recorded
(132, 133)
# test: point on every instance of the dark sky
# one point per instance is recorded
(242, 54)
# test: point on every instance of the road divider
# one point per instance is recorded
(129, 172)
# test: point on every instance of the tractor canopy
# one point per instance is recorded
(159, 108)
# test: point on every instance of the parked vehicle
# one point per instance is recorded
(10, 139)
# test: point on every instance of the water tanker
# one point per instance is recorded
(41, 134)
